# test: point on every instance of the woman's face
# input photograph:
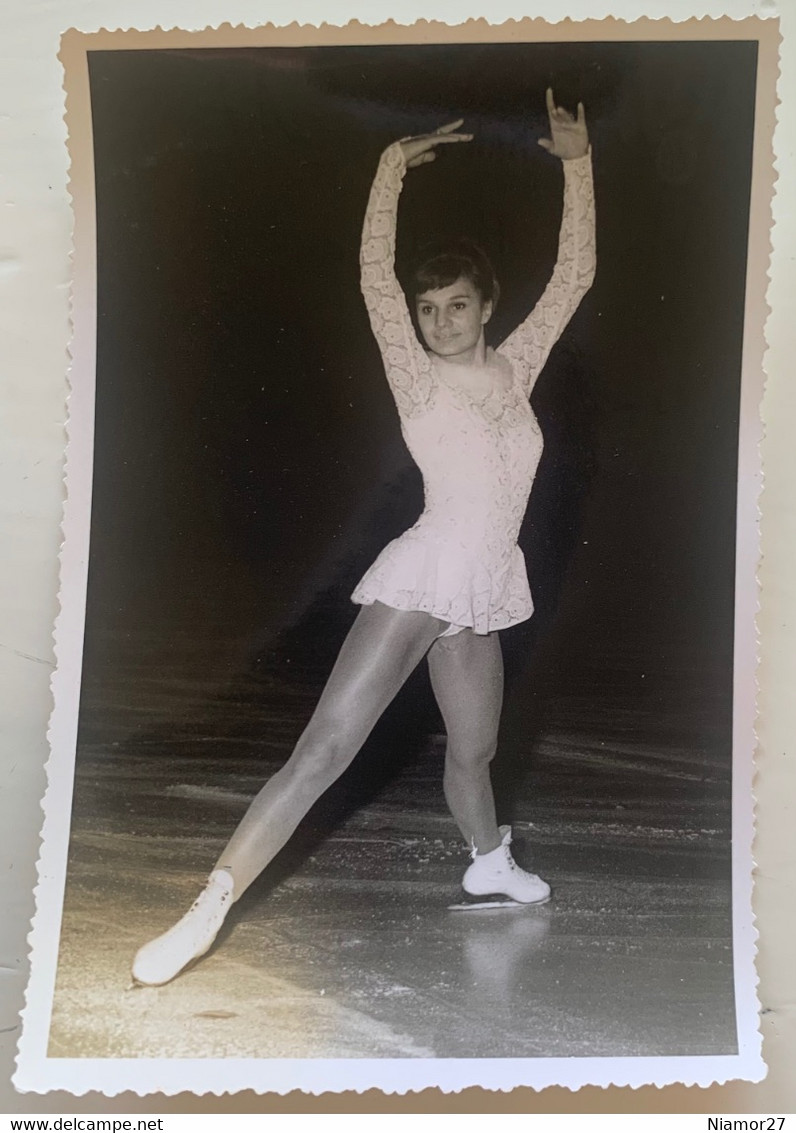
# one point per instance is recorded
(452, 319)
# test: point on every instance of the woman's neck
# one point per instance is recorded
(475, 358)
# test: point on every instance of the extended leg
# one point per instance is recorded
(467, 678)
(380, 652)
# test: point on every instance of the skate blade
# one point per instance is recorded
(498, 901)
(137, 984)
(478, 903)
(485, 906)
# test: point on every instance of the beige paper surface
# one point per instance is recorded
(753, 342)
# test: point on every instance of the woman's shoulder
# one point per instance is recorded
(503, 367)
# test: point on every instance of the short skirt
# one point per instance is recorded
(443, 578)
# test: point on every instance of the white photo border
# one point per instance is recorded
(39, 1073)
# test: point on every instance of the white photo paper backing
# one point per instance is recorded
(228, 419)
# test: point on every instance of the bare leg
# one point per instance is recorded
(379, 653)
(467, 678)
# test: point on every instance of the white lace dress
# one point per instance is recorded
(478, 455)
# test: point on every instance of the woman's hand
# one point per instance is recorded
(569, 136)
(420, 150)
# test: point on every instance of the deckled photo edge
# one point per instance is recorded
(72, 570)
(36, 1072)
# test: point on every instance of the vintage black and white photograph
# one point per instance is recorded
(409, 579)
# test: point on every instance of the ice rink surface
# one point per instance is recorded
(345, 947)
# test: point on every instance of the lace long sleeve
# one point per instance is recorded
(530, 344)
(407, 367)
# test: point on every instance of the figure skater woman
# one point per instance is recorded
(448, 585)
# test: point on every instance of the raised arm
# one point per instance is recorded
(406, 364)
(530, 344)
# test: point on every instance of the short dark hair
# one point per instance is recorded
(439, 265)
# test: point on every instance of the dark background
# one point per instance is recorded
(248, 461)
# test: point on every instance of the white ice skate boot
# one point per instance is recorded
(497, 875)
(166, 956)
